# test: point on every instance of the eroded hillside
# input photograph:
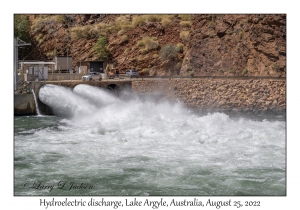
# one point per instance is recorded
(218, 44)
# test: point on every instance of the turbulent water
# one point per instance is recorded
(100, 144)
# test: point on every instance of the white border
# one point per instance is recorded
(141, 7)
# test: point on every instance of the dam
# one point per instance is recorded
(24, 104)
(202, 93)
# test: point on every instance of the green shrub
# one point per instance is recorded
(21, 27)
(100, 49)
(244, 71)
(168, 52)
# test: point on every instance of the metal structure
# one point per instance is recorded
(16, 61)
(38, 69)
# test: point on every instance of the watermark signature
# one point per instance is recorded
(62, 185)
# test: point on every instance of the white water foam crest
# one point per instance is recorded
(64, 102)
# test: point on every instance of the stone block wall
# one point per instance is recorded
(220, 94)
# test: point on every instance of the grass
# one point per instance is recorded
(178, 67)
(184, 35)
(39, 38)
(86, 32)
(124, 38)
(140, 58)
(229, 32)
(276, 67)
(139, 20)
(166, 21)
(121, 32)
(150, 43)
(126, 51)
(185, 23)
(212, 25)
(244, 71)
(154, 18)
(241, 35)
(185, 17)
(52, 53)
(121, 25)
(144, 51)
(230, 71)
(179, 47)
(47, 21)
(145, 72)
(155, 55)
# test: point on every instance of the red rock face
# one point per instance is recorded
(217, 45)
(229, 44)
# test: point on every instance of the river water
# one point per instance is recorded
(100, 144)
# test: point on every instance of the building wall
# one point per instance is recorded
(64, 63)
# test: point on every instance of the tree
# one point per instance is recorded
(21, 31)
(169, 52)
(101, 51)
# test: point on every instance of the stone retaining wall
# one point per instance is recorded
(220, 94)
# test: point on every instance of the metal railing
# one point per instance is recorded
(22, 84)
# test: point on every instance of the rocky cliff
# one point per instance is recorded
(208, 45)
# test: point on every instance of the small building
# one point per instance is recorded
(90, 66)
(36, 70)
(63, 63)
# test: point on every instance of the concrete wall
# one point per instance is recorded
(58, 77)
(220, 94)
(24, 104)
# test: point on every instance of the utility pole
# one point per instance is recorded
(16, 61)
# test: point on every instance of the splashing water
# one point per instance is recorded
(131, 146)
(36, 104)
